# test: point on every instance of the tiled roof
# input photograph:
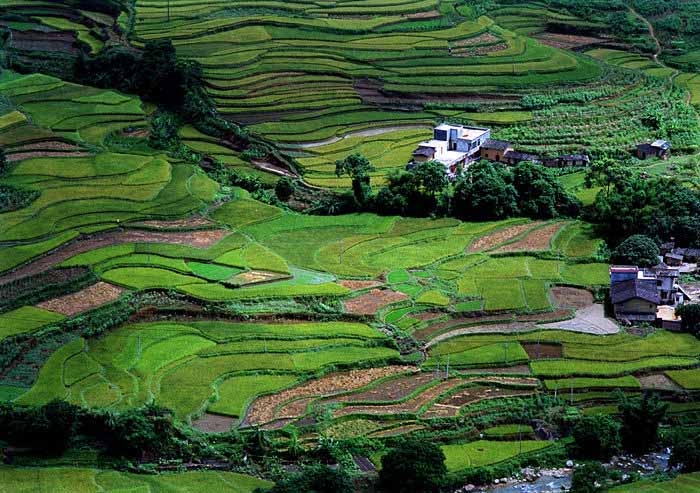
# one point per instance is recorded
(634, 288)
(500, 145)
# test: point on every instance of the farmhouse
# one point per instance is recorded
(568, 160)
(658, 148)
(455, 146)
(646, 295)
(495, 150)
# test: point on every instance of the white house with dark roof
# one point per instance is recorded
(455, 146)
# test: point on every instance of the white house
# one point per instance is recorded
(455, 146)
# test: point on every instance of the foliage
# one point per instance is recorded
(358, 168)
(685, 452)
(414, 465)
(640, 421)
(13, 198)
(657, 207)
(636, 250)
(690, 317)
(589, 478)
(597, 437)
(163, 132)
(315, 479)
(285, 188)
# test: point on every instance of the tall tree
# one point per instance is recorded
(640, 422)
(415, 465)
(637, 250)
(358, 168)
(484, 193)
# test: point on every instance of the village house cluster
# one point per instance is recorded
(458, 146)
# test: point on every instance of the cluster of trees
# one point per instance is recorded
(485, 191)
(627, 205)
(148, 432)
(155, 74)
(636, 430)
(636, 250)
(13, 198)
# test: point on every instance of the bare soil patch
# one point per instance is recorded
(426, 316)
(62, 41)
(48, 145)
(255, 277)
(18, 156)
(567, 41)
(412, 405)
(543, 350)
(479, 50)
(568, 297)
(213, 423)
(477, 40)
(400, 430)
(536, 240)
(506, 370)
(84, 300)
(265, 409)
(423, 15)
(502, 235)
(391, 390)
(370, 303)
(356, 285)
(189, 222)
(450, 406)
(658, 381)
(199, 239)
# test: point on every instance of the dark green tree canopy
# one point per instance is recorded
(415, 465)
(316, 479)
(640, 422)
(637, 250)
(690, 317)
(484, 193)
(597, 437)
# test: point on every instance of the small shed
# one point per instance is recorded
(495, 150)
(659, 148)
(673, 259)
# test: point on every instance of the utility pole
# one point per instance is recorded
(505, 353)
(447, 368)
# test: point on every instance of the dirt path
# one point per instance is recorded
(652, 33)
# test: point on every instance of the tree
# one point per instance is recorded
(640, 422)
(540, 195)
(690, 317)
(685, 453)
(637, 250)
(432, 176)
(415, 465)
(597, 437)
(4, 165)
(316, 479)
(285, 188)
(358, 168)
(484, 193)
(589, 478)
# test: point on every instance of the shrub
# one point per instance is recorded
(640, 422)
(597, 437)
(285, 188)
(317, 479)
(588, 478)
(415, 465)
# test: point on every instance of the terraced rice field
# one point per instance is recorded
(25, 479)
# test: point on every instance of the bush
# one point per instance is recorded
(285, 188)
(686, 453)
(637, 250)
(13, 198)
(316, 479)
(415, 465)
(640, 422)
(597, 437)
(589, 478)
(690, 317)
